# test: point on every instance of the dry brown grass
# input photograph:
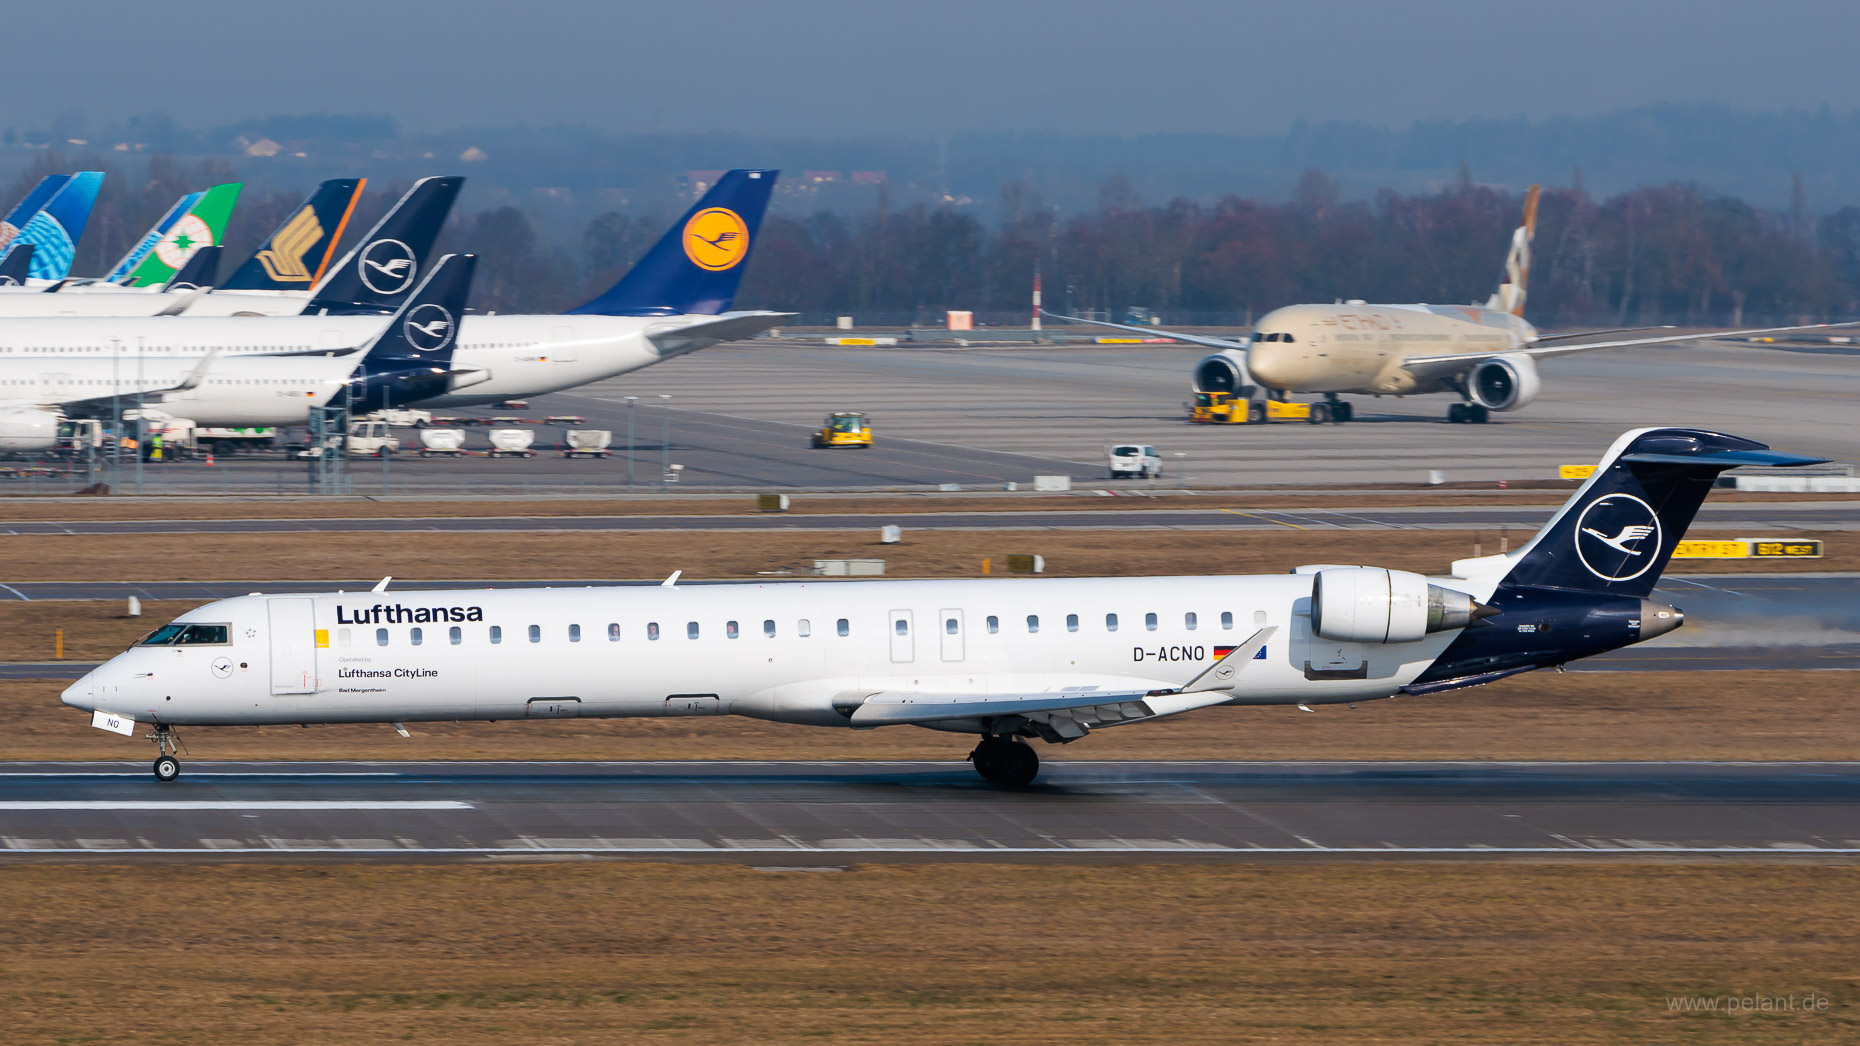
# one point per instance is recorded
(605, 953)
(347, 559)
(1542, 715)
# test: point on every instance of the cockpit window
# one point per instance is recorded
(1287, 337)
(177, 634)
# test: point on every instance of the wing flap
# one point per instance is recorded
(1438, 366)
(1152, 332)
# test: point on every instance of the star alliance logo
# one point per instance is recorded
(1618, 537)
(428, 328)
(387, 267)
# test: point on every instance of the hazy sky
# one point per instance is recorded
(833, 67)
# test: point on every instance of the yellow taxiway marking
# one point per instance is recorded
(1250, 515)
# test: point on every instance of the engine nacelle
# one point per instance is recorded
(1225, 371)
(1373, 605)
(1504, 382)
(28, 428)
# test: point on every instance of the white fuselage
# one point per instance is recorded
(1360, 348)
(778, 651)
(107, 300)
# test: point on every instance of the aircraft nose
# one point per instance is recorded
(1269, 364)
(81, 694)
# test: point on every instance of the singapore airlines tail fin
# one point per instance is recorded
(1617, 532)
(56, 228)
(376, 275)
(695, 268)
(1510, 295)
(411, 359)
(295, 255)
(203, 225)
(15, 265)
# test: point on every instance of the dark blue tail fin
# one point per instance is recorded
(411, 359)
(377, 275)
(1617, 533)
(201, 269)
(694, 269)
(16, 265)
(293, 257)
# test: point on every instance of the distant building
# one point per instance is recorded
(820, 177)
(869, 178)
(701, 181)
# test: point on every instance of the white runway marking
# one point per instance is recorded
(234, 804)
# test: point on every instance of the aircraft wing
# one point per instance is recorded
(730, 326)
(1441, 366)
(1153, 332)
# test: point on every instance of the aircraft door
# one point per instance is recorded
(561, 349)
(903, 644)
(293, 645)
(951, 634)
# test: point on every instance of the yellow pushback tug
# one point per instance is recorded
(844, 428)
(1228, 408)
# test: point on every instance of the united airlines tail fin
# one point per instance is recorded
(58, 226)
(1617, 532)
(149, 239)
(295, 256)
(377, 274)
(30, 205)
(1510, 295)
(201, 270)
(204, 225)
(411, 359)
(15, 265)
(694, 269)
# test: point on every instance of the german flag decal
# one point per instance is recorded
(1222, 651)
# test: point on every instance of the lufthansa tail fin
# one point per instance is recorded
(377, 275)
(58, 226)
(295, 255)
(411, 359)
(200, 271)
(1510, 295)
(15, 265)
(1617, 532)
(694, 269)
(33, 202)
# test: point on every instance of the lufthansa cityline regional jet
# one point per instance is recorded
(1487, 356)
(674, 301)
(1006, 659)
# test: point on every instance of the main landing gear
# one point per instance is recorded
(1332, 410)
(167, 766)
(1467, 414)
(1006, 761)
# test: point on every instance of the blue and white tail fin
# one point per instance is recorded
(411, 359)
(695, 268)
(58, 226)
(31, 204)
(16, 265)
(1616, 534)
(377, 275)
(295, 255)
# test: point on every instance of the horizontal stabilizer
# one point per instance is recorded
(731, 326)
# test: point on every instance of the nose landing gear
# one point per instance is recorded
(167, 747)
(1006, 761)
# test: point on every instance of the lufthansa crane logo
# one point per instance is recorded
(716, 238)
(387, 266)
(428, 328)
(1618, 537)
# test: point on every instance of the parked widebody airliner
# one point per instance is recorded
(674, 301)
(1008, 660)
(1486, 355)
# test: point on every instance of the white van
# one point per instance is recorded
(1135, 460)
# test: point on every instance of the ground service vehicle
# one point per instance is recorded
(1230, 408)
(844, 429)
(587, 443)
(372, 438)
(1135, 461)
(512, 443)
(402, 417)
(233, 440)
(444, 442)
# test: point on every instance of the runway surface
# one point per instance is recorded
(1780, 518)
(812, 813)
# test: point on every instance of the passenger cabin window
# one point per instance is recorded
(1227, 619)
(381, 637)
(803, 629)
(1110, 622)
(652, 631)
(535, 633)
(730, 630)
(768, 628)
(949, 625)
(902, 626)
(416, 636)
(1189, 621)
(841, 626)
(342, 638)
(691, 630)
(1149, 621)
(1033, 622)
(456, 635)
(497, 633)
(613, 632)
(574, 633)
(994, 624)
(1072, 622)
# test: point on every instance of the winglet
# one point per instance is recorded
(671, 582)
(381, 585)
